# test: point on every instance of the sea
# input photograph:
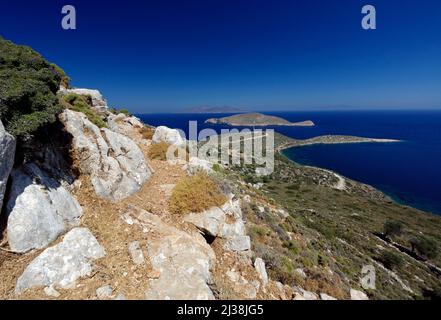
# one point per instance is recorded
(408, 171)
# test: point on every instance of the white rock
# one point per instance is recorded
(358, 295)
(104, 292)
(51, 292)
(114, 162)
(39, 209)
(7, 154)
(195, 165)
(123, 124)
(136, 253)
(239, 243)
(170, 136)
(61, 265)
(300, 272)
(308, 295)
(121, 296)
(183, 261)
(259, 265)
(324, 296)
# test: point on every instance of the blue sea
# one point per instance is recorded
(408, 171)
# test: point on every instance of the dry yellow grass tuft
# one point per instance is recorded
(196, 194)
(158, 151)
(147, 133)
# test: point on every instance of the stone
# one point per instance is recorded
(167, 188)
(7, 154)
(259, 265)
(358, 295)
(104, 292)
(61, 265)
(324, 296)
(121, 296)
(51, 292)
(215, 222)
(195, 165)
(300, 272)
(183, 262)
(39, 209)
(239, 243)
(170, 136)
(124, 124)
(308, 295)
(114, 162)
(136, 253)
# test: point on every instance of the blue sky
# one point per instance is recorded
(158, 56)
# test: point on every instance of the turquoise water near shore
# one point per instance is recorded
(408, 171)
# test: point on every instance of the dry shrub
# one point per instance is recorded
(158, 151)
(196, 194)
(147, 133)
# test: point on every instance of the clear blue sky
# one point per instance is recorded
(157, 56)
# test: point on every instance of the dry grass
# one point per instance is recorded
(147, 133)
(196, 194)
(158, 151)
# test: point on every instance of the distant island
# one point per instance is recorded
(258, 119)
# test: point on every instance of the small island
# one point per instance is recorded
(257, 119)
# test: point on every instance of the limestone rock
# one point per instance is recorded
(170, 136)
(123, 124)
(184, 262)
(259, 265)
(196, 165)
(7, 153)
(324, 296)
(39, 209)
(104, 292)
(114, 162)
(61, 265)
(136, 253)
(224, 222)
(358, 295)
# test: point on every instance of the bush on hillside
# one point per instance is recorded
(28, 87)
(392, 228)
(425, 247)
(82, 103)
(196, 194)
(391, 260)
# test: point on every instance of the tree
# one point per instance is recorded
(392, 228)
(425, 247)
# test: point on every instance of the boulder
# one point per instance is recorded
(114, 162)
(225, 222)
(123, 124)
(104, 292)
(324, 296)
(39, 209)
(196, 165)
(61, 265)
(7, 153)
(136, 253)
(259, 265)
(170, 136)
(358, 295)
(183, 262)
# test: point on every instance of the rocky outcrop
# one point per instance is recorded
(358, 295)
(123, 124)
(259, 264)
(225, 222)
(98, 102)
(39, 209)
(196, 165)
(114, 162)
(170, 136)
(181, 262)
(7, 153)
(61, 265)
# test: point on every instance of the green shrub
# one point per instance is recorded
(81, 103)
(28, 86)
(392, 228)
(391, 260)
(424, 246)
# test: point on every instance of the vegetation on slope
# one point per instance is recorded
(82, 103)
(196, 194)
(28, 86)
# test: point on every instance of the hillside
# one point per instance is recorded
(91, 209)
(257, 119)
